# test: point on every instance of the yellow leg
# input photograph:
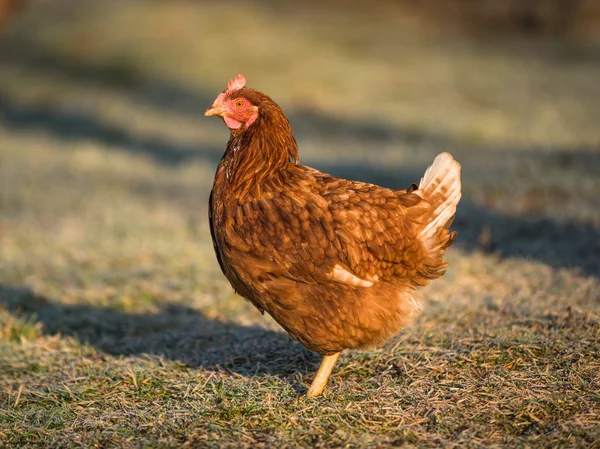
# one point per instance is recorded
(322, 376)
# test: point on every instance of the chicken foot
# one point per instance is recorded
(320, 381)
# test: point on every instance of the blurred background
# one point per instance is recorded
(106, 160)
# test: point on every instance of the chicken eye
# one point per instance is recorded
(239, 103)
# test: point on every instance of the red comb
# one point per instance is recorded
(237, 83)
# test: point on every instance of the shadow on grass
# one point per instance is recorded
(177, 332)
(79, 125)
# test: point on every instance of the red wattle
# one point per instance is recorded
(232, 123)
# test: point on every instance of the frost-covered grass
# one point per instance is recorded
(116, 325)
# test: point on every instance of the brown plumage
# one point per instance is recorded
(335, 262)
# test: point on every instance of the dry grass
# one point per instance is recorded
(117, 328)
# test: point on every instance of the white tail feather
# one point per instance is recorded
(441, 186)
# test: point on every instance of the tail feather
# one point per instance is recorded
(440, 186)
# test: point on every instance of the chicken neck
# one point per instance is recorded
(259, 154)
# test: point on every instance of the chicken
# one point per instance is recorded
(335, 262)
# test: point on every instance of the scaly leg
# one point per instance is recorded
(322, 376)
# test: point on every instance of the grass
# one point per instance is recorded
(117, 328)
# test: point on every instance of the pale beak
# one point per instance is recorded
(214, 110)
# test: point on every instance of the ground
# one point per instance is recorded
(117, 328)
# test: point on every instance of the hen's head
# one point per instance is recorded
(255, 121)
(237, 106)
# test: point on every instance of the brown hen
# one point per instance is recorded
(335, 262)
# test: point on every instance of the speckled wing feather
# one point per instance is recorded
(378, 227)
(321, 224)
(292, 230)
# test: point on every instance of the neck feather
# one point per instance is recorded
(260, 154)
